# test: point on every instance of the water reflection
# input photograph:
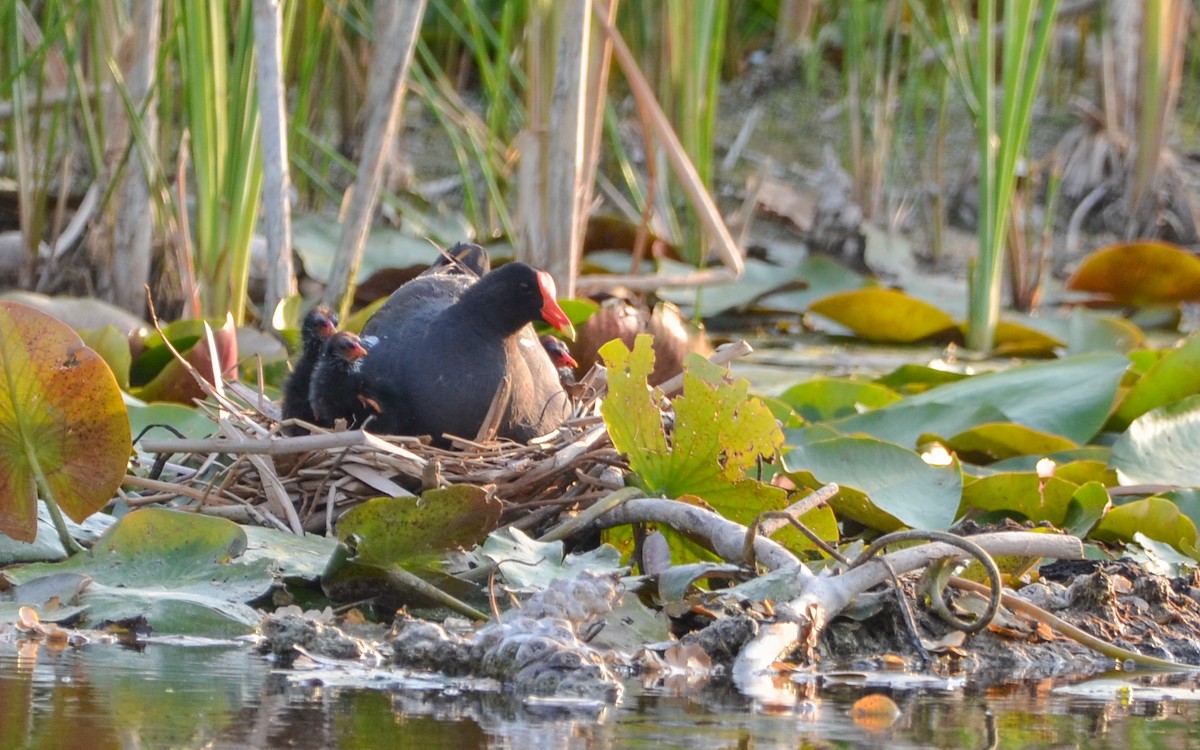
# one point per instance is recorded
(224, 696)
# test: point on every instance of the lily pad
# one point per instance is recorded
(1089, 332)
(1034, 498)
(884, 315)
(1156, 517)
(63, 430)
(997, 441)
(1161, 446)
(1174, 376)
(1069, 397)
(179, 571)
(1139, 273)
(894, 479)
(822, 276)
(828, 398)
(417, 532)
(530, 565)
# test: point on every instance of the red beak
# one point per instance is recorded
(551, 312)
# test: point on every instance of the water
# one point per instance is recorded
(222, 696)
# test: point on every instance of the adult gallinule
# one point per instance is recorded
(318, 327)
(447, 342)
(336, 389)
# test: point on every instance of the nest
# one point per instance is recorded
(251, 471)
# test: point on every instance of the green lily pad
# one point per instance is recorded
(997, 441)
(894, 479)
(1036, 499)
(113, 346)
(1069, 397)
(63, 430)
(179, 571)
(1139, 273)
(903, 423)
(822, 276)
(1092, 332)
(163, 420)
(829, 398)
(1156, 517)
(909, 379)
(1086, 508)
(530, 565)
(1161, 446)
(417, 532)
(884, 315)
(1174, 376)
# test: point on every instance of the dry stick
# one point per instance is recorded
(1079, 636)
(496, 410)
(689, 179)
(276, 494)
(584, 519)
(396, 26)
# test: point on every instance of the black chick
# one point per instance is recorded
(336, 389)
(318, 327)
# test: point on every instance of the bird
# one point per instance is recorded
(560, 357)
(318, 327)
(336, 388)
(447, 342)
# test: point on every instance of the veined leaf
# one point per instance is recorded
(63, 428)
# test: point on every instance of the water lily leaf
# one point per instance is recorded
(903, 423)
(63, 430)
(173, 382)
(315, 239)
(759, 278)
(823, 276)
(1014, 339)
(1036, 499)
(530, 565)
(113, 346)
(997, 441)
(1156, 517)
(1095, 456)
(1161, 446)
(417, 532)
(1069, 397)
(1174, 376)
(177, 570)
(1086, 508)
(293, 557)
(1092, 332)
(894, 479)
(165, 420)
(720, 433)
(829, 398)
(884, 315)
(1139, 273)
(909, 379)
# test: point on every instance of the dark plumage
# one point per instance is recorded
(465, 257)
(318, 327)
(560, 357)
(447, 341)
(336, 388)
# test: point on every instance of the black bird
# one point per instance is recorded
(560, 357)
(318, 327)
(336, 388)
(445, 344)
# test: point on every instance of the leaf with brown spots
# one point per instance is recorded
(64, 434)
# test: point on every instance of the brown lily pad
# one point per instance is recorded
(884, 315)
(1140, 273)
(64, 434)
